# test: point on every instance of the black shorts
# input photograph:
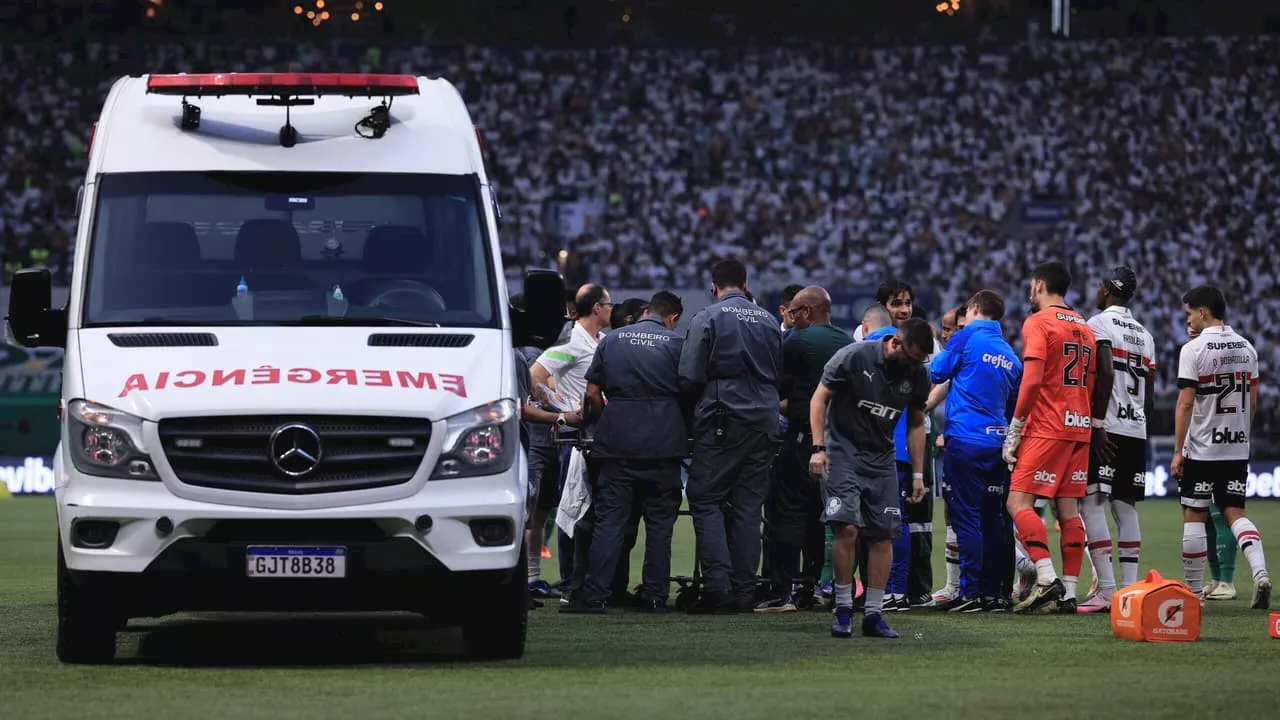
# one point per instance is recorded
(1220, 482)
(1125, 477)
(544, 474)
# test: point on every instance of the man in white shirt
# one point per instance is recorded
(567, 365)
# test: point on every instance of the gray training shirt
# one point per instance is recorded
(732, 358)
(867, 401)
(635, 368)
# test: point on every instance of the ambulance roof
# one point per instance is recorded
(431, 132)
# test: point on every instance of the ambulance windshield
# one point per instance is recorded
(284, 248)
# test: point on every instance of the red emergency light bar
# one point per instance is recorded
(290, 84)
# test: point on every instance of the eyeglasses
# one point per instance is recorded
(792, 311)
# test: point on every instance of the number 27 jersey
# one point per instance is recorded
(1222, 367)
(1060, 337)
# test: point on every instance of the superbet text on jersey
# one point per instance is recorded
(1132, 356)
(1222, 366)
(1061, 338)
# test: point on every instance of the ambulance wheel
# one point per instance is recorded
(495, 617)
(86, 635)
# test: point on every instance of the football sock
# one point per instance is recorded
(1130, 545)
(534, 553)
(1195, 547)
(1251, 545)
(1072, 544)
(1099, 538)
(875, 601)
(952, 554)
(844, 595)
(1034, 537)
(1225, 545)
(828, 574)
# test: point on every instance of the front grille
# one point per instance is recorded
(235, 453)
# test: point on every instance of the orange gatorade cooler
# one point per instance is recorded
(1274, 624)
(1157, 610)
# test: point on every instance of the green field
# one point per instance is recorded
(627, 665)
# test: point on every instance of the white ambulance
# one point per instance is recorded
(289, 382)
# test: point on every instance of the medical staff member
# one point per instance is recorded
(640, 439)
(731, 362)
(985, 374)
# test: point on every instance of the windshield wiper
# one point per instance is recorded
(359, 321)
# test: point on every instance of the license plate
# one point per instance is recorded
(296, 562)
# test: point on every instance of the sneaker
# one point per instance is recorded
(996, 604)
(1221, 591)
(921, 601)
(895, 603)
(1261, 594)
(532, 604)
(709, 604)
(1095, 603)
(542, 589)
(1210, 586)
(583, 607)
(873, 625)
(776, 605)
(842, 624)
(1064, 607)
(546, 553)
(946, 594)
(1042, 597)
(656, 607)
(960, 605)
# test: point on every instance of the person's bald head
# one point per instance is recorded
(810, 306)
(876, 316)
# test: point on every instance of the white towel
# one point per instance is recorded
(576, 498)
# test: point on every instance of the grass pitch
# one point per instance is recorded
(627, 665)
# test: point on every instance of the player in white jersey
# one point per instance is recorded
(1217, 397)
(1122, 399)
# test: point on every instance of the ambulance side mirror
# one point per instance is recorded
(31, 322)
(542, 318)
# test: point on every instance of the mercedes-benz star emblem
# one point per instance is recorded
(295, 449)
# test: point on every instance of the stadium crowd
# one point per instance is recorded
(822, 164)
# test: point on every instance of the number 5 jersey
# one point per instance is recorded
(1132, 355)
(1223, 367)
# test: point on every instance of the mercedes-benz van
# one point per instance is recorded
(288, 378)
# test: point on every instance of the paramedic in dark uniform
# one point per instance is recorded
(865, 387)
(640, 439)
(731, 363)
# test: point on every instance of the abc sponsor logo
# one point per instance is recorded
(1076, 420)
(1044, 477)
(1079, 477)
(1225, 436)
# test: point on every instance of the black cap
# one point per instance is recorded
(1122, 282)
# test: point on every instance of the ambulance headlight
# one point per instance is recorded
(107, 442)
(480, 441)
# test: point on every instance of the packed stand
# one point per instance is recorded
(815, 163)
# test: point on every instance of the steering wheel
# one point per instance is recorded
(419, 296)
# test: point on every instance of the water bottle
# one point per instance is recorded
(243, 288)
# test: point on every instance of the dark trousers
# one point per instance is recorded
(794, 512)
(917, 521)
(978, 485)
(623, 485)
(728, 482)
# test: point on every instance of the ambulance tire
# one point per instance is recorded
(86, 635)
(495, 617)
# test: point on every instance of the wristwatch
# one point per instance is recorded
(818, 449)
(560, 421)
